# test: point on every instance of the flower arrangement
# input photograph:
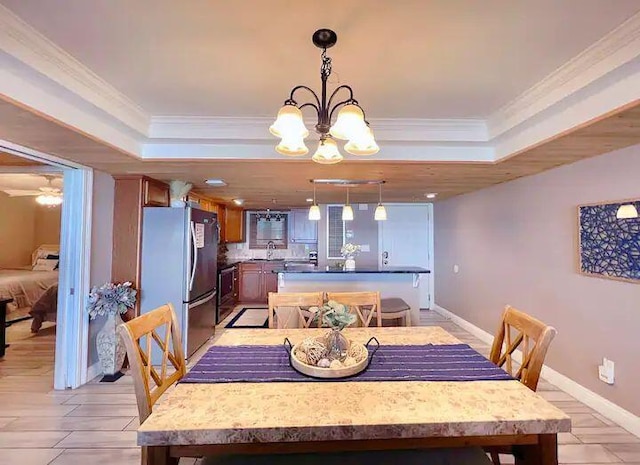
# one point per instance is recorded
(335, 315)
(111, 299)
(350, 250)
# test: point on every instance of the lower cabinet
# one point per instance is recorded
(256, 281)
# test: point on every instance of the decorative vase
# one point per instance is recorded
(337, 345)
(350, 264)
(111, 350)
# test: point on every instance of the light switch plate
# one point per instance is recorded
(363, 206)
(365, 248)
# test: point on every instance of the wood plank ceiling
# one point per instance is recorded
(260, 182)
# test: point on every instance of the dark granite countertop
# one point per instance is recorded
(278, 261)
(367, 269)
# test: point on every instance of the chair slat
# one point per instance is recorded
(356, 300)
(297, 301)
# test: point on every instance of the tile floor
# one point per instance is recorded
(96, 423)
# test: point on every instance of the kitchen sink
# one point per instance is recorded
(267, 260)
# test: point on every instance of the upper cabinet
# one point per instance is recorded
(234, 225)
(230, 219)
(301, 229)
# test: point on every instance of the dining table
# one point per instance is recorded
(202, 419)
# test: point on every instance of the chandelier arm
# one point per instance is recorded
(310, 104)
(293, 91)
(333, 94)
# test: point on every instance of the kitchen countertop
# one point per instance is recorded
(364, 269)
(276, 261)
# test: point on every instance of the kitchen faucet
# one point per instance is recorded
(271, 246)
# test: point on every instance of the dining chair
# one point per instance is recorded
(297, 306)
(517, 328)
(365, 305)
(138, 335)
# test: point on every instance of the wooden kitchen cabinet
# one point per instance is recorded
(132, 194)
(301, 229)
(257, 280)
(234, 225)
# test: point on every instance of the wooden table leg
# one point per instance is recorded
(157, 455)
(543, 453)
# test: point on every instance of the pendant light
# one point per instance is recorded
(381, 212)
(314, 210)
(347, 211)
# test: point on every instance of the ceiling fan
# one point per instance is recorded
(47, 195)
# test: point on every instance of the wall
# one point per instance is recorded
(516, 243)
(25, 225)
(101, 245)
(363, 230)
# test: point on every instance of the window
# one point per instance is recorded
(263, 230)
(335, 231)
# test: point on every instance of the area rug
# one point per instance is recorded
(250, 317)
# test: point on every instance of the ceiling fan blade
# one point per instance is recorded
(22, 193)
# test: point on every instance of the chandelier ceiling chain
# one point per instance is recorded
(350, 124)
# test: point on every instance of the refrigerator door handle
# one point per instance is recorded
(195, 255)
(204, 300)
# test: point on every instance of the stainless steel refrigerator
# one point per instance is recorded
(179, 266)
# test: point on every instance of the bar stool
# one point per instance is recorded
(394, 308)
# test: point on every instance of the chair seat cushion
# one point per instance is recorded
(394, 305)
(458, 456)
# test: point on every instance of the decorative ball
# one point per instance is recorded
(324, 363)
(315, 353)
(302, 357)
(357, 351)
(335, 364)
(349, 361)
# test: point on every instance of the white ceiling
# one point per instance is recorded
(408, 59)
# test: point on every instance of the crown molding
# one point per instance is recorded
(264, 150)
(387, 129)
(19, 39)
(613, 50)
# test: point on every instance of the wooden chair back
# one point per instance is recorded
(149, 385)
(363, 304)
(518, 328)
(300, 302)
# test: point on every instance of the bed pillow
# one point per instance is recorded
(42, 264)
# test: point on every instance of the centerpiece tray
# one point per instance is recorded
(360, 355)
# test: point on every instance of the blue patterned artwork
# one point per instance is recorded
(609, 247)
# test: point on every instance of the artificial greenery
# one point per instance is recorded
(336, 315)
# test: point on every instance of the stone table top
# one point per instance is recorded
(227, 413)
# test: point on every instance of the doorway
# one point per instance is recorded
(406, 239)
(72, 255)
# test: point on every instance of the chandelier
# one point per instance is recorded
(49, 200)
(350, 124)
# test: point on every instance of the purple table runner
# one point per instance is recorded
(261, 364)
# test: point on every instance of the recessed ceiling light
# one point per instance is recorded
(309, 200)
(238, 201)
(215, 182)
(431, 195)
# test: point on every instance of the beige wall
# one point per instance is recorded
(101, 245)
(516, 244)
(24, 225)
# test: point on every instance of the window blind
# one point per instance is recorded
(335, 231)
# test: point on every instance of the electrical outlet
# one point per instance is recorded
(456, 268)
(606, 371)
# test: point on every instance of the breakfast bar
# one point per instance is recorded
(407, 283)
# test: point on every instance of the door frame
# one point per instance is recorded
(430, 247)
(72, 335)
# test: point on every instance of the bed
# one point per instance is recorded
(26, 285)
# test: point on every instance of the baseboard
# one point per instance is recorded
(93, 371)
(605, 407)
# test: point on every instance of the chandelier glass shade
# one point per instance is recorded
(350, 123)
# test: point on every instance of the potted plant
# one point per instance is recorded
(350, 252)
(110, 300)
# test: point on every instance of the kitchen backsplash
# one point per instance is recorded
(242, 251)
